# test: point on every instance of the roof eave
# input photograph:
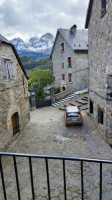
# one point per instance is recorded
(88, 13)
(78, 50)
(50, 57)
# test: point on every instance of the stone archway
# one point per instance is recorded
(15, 123)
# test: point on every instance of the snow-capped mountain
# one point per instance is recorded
(19, 44)
(40, 45)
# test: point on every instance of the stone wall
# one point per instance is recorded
(13, 98)
(79, 69)
(63, 94)
(100, 64)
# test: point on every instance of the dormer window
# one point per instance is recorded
(8, 69)
(62, 46)
(103, 7)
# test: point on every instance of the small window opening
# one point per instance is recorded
(62, 46)
(63, 76)
(69, 78)
(63, 88)
(69, 62)
(62, 64)
(100, 116)
(91, 107)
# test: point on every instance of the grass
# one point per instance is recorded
(83, 93)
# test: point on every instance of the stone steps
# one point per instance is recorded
(68, 97)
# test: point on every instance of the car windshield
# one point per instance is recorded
(73, 114)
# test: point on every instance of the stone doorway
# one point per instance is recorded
(63, 88)
(15, 123)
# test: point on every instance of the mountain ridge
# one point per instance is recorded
(35, 45)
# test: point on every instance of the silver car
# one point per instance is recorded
(73, 116)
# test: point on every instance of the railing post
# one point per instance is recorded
(82, 181)
(100, 181)
(64, 177)
(31, 176)
(3, 182)
(17, 180)
(48, 181)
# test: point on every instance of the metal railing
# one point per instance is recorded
(46, 158)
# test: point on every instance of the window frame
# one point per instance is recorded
(8, 71)
(63, 77)
(69, 62)
(70, 78)
(62, 64)
(62, 47)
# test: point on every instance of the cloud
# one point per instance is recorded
(41, 16)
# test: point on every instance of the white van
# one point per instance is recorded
(73, 116)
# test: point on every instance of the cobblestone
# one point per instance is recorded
(47, 134)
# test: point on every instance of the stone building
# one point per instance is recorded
(14, 102)
(99, 24)
(70, 59)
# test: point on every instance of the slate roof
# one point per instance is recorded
(77, 41)
(3, 40)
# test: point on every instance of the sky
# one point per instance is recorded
(28, 18)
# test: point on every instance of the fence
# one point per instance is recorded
(47, 158)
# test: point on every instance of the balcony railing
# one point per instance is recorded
(47, 158)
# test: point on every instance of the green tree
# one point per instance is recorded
(39, 79)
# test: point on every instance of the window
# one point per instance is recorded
(69, 77)
(103, 7)
(62, 47)
(62, 64)
(100, 116)
(63, 76)
(91, 107)
(8, 69)
(69, 62)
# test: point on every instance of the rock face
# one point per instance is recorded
(42, 45)
(100, 65)
(14, 101)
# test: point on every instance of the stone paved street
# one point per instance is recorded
(47, 134)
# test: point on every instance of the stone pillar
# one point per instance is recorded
(33, 99)
(52, 95)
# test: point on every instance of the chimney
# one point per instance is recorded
(73, 28)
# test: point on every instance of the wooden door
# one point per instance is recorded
(15, 123)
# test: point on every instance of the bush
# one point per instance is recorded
(57, 90)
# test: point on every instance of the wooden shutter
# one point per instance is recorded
(62, 64)
(4, 69)
(69, 62)
(11, 69)
(63, 76)
(70, 78)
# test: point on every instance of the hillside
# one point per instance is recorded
(43, 63)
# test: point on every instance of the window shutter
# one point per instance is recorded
(4, 69)
(11, 69)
